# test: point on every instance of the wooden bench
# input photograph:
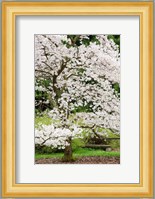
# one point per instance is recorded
(98, 146)
(111, 138)
(105, 147)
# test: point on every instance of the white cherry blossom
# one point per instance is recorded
(77, 75)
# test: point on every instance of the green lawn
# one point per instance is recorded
(81, 152)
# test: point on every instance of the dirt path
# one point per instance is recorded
(82, 160)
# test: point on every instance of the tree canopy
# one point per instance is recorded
(77, 79)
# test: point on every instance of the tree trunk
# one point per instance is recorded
(68, 155)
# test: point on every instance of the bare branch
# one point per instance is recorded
(42, 71)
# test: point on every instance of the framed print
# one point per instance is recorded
(77, 99)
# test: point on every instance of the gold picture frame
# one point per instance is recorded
(9, 12)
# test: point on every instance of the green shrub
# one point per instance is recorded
(46, 150)
(115, 144)
(44, 119)
(77, 143)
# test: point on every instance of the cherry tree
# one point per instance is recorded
(77, 72)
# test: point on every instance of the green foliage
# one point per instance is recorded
(111, 134)
(115, 144)
(116, 39)
(91, 38)
(76, 41)
(76, 143)
(83, 108)
(80, 71)
(116, 86)
(46, 150)
(42, 96)
(42, 120)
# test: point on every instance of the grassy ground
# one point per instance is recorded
(81, 152)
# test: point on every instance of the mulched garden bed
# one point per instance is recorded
(81, 160)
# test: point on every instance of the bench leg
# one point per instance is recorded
(108, 149)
